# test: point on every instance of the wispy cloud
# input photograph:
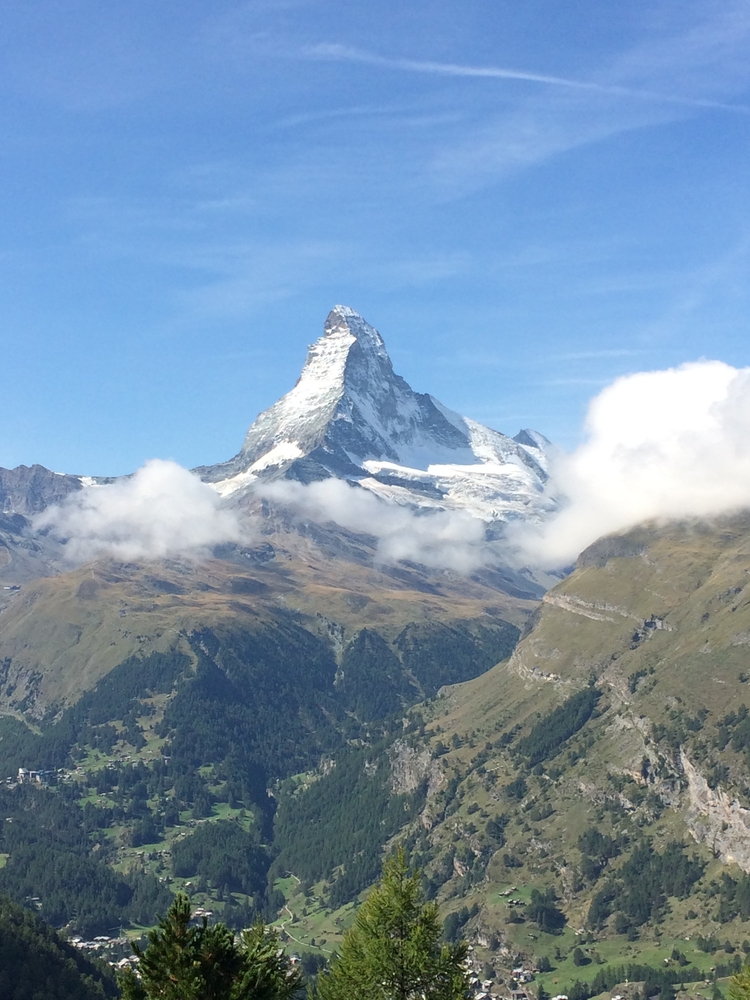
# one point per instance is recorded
(707, 58)
(410, 115)
(703, 67)
(706, 297)
(347, 53)
(228, 272)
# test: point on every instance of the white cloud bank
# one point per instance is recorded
(162, 510)
(661, 444)
(440, 539)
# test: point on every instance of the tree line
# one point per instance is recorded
(393, 951)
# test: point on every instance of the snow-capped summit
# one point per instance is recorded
(347, 400)
(350, 416)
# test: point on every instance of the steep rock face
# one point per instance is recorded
(717, 819)
(350, 416)
(24, 555)
(410, 767)
(27, 490)
(349, 402)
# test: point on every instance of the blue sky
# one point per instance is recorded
(528, 198)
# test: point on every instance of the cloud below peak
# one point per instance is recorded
(660, 445)
(440, 539)
(162, 510)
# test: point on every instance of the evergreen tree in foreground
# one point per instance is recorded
(393, 951)
(184, 962)
(739, 985)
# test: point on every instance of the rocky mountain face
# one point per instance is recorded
(24, 492)
(351, 417)
(27, 490)
(348, 417)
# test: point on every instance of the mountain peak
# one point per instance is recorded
(351, 417)
(341, 313)
(344, 317)
(348, 359)
(352, 331)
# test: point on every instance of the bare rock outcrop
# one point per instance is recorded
(715, 819)
(410, 767)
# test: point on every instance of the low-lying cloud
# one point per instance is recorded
(660, 445)
(161, 510)
(440, 539)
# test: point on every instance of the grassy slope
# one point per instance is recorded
(60, 635)
(696, 580)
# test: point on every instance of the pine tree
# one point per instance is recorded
(739, 985)
(393, 951)
(168, 968)
(204, 963)
(265, 973)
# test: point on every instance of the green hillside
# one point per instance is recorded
(59, 635)
(597, 785)
(171, 770)
(579, 803)
(35, 962)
